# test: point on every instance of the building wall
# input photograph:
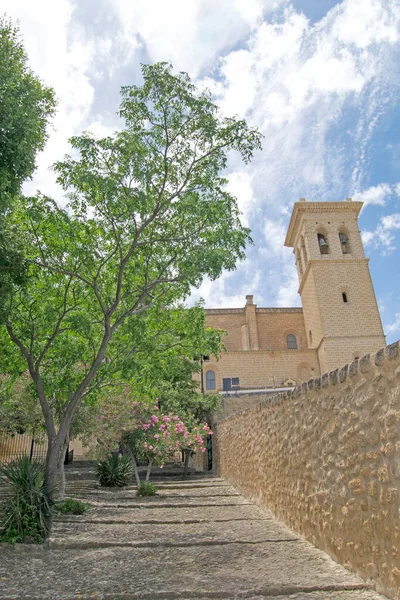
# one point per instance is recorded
(325, 458)
(263, 368)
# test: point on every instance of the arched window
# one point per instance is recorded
(291, 342)
(344, 242)
(323, 243)
(210, 380)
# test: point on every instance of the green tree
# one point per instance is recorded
(148, 217)
(26, 106)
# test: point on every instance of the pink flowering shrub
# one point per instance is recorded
(151, 434)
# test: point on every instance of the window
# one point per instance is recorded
(210, 380)
(323, 244)
(310, 336)
(230, 383)
(344, 242)
(291, 342)
(344, 297)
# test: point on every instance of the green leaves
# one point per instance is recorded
(148, 217)
(25, 108)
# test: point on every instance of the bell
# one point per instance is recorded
(323, 242)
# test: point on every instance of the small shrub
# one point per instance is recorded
(27, 513)
(115, 471)
(72, 506)
(146, 489)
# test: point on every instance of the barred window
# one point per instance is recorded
(291, 342)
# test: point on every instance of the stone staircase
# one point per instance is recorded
(197, 539)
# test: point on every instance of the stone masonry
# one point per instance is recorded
(339, 320)
(325, 458)
(196, 540)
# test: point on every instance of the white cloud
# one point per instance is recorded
(190, 34)
(393, 327)
(382, 238)
(62, 59)
(240, 184)
(377, 194)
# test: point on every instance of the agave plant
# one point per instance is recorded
(115, 471)
(27, 512)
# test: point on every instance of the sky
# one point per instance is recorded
(319, 78)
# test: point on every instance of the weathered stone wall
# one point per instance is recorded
(325, 458)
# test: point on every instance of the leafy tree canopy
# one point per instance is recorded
(148, 216)
(26, 106)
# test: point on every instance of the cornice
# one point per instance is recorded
(302, 208)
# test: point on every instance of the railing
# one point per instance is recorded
(13, 447)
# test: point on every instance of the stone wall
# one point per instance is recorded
(325, 458)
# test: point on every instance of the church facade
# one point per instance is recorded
(272, 348)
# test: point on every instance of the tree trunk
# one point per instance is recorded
(126, 448)
(137, 476)
(53, 458)
(186, 464)
(149, 470)
(61, 469)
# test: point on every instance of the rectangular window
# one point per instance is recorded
(226, 384)
(235, 380)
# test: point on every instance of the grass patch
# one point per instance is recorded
(146, 489)
(71, 506)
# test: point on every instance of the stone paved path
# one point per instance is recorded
(197, 539)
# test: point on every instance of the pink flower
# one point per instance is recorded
(154, 418)
(161, 466)
(205, 427)
(150, 447)
(156, 408)
(101, 416)
(185, 435)
(156, 436)
(210, 432)
(176, 418)
(203, 449)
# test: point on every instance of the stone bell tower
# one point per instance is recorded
(340, 310)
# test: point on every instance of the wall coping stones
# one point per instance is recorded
(340, 375)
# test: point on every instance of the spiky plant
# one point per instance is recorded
(27, 512)
(115, 471)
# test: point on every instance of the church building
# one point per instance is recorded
(270, 348)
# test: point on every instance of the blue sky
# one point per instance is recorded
(319, 78)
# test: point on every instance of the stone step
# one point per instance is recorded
(84, 534)
(211, 571)
(101, 514)
(116, 495)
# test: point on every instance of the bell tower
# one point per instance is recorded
(340, 310)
